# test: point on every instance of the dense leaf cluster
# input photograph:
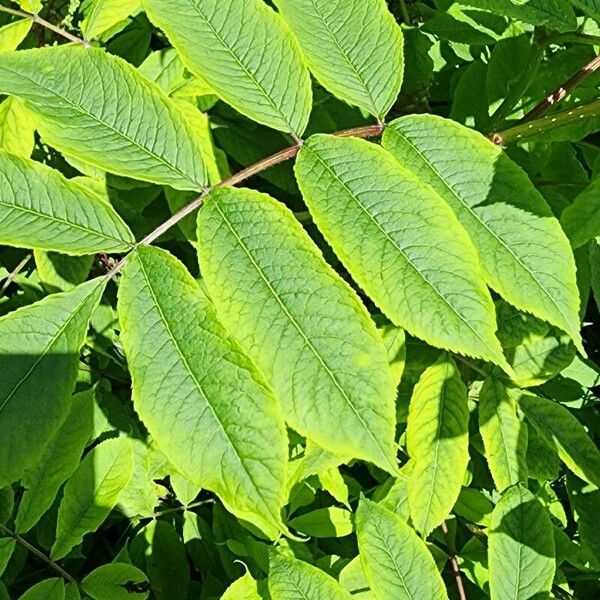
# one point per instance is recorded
(372, 372)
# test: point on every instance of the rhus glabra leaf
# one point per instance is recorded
(524, 254)
(204, 403)
(246, 55)
(40, 208)
(39, 348)
(401, 243)
(354, 48)
(300, 323)
(99, 109)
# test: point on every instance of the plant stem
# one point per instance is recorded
(279, 157)
(562, 92)
(39, 554)
(11, 276)
(404, 12)
(517, 91)
(528, 129)
(37, 19)
(453, 562)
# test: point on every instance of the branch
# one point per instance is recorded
(559, 94)
(453, 562)
(37, 19)
(548, 123)
(11, 276)
(282, 156)
(39, 554)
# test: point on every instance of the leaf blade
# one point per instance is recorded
(396, 562)
(354, 48)
(40, 208)
(278, 288)
(246, 471)
(397, 265)
(241, 39)
(502, 212)
(142, 134)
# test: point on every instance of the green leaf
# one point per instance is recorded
(400, 242)
(574, 446)
(534, 349)
(589, 7)
(60, 272)
(396, 562)
(32, 6)
(354, 48)
(39, 346)
(87, 115)
(167, 564)
(521, 548)
(204, 403)
(329, 522)
(581, 220)
(304, 327)
(523, 251)
(556, 14)
(7, 547)
(13, 34)
(49, 589)
(40, 208)
(437, 441)
(92, 492)
(292, 579)
(115, 581)
(585, 500)
(56, 462)
(101, 15)
(243, 588)
(17, 129)
(595, 269)
(247, 56)
(504, 435)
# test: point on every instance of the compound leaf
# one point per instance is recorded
(437, 441)
(99, 109)
(524, 253)
(400, 242)
(354, 48)
(204, 403)
(40, 208)
(92, 492)
(521, 548)
(246, 55)
(39, 349)
(300, 323)
(396, 562)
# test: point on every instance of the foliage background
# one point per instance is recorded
(482, 64)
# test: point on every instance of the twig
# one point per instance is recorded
(559, 94)
(39, 554)
(517, 91)
(11, 276)
(453, 562)
(524, 130)
(262, 165)
(404, 12)
(46, 24)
